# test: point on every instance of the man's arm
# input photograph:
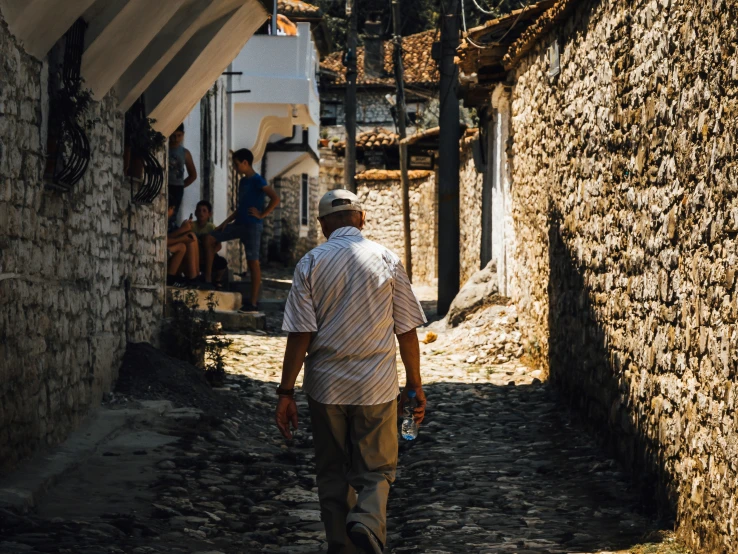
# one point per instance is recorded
(273, 203)
(294, 357)
(191, 169)
(410, 354)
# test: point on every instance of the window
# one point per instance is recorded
(329, 115)
(304, 200)
(411, 113)
(67, 146)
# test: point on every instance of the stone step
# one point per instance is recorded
(232, 320)
(272, 305)
(244, 287)
(225, 300)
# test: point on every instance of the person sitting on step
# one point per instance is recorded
(185, 253)
(203, 226)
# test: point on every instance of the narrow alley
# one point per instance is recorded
(499, 466)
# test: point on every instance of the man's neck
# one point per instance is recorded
(250, 173)
(344, 227)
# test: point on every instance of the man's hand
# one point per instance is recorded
(286, 414)
(256, 213)
(419, 411)
(186, 225)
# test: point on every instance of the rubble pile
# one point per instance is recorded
(489, 336)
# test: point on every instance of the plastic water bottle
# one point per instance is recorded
(409, 427)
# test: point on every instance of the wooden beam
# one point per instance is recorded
(194, 69)
(121, 41)
(180, 28)
(40, 23)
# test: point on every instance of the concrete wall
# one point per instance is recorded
(380, 193)
(81, 272)
(626, 214)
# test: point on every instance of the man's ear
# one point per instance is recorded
(363, 219)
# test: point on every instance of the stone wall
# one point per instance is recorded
(372, 111)
(470, 214)
(626, 214)
(81, 272)
(285, 238)
(331, 171)
(380, 193)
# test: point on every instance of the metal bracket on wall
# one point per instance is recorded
(68, 146)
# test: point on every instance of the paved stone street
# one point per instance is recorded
(498, 467)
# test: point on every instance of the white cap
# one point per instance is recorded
(339, 200)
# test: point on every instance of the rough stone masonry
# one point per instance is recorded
(81, 272)
(626, 217)
(380, 193)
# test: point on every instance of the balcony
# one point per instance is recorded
(280, 73)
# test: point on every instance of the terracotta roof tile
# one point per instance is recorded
(298, 8)
(483, 48)
(420, 68)
(376, 139)
(533, 33)
(392, 174)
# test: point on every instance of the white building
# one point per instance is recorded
(267, 102)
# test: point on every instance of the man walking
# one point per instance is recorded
(349, 298)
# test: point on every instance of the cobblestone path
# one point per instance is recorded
(498, 467)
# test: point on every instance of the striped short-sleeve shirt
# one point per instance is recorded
(355, 296)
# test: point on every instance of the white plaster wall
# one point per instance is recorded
(247, 119)
(279, 69)
(502, 229)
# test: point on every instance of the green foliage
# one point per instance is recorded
(141, 136)
(69, 103)
(416, 15)
(194, 335)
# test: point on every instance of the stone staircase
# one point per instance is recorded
(226, 310)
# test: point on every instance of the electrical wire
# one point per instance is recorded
(493, 11)
(481, 46)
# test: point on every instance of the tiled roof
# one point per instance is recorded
(392, 174)
(380, 138)
(420, 68)
(298, 8)
(533, 33)
(470, 135)
(376, 139)
(420, 135)
(483, 48)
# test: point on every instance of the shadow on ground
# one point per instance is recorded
(504, 469)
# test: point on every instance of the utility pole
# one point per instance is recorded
(350, 107)
(401, 111)
(274, 19)
(448, 163)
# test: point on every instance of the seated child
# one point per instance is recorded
(203, 226)
(184, 252)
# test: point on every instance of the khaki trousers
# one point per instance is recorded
(356, 459)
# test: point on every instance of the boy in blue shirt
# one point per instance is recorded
(245, 224)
